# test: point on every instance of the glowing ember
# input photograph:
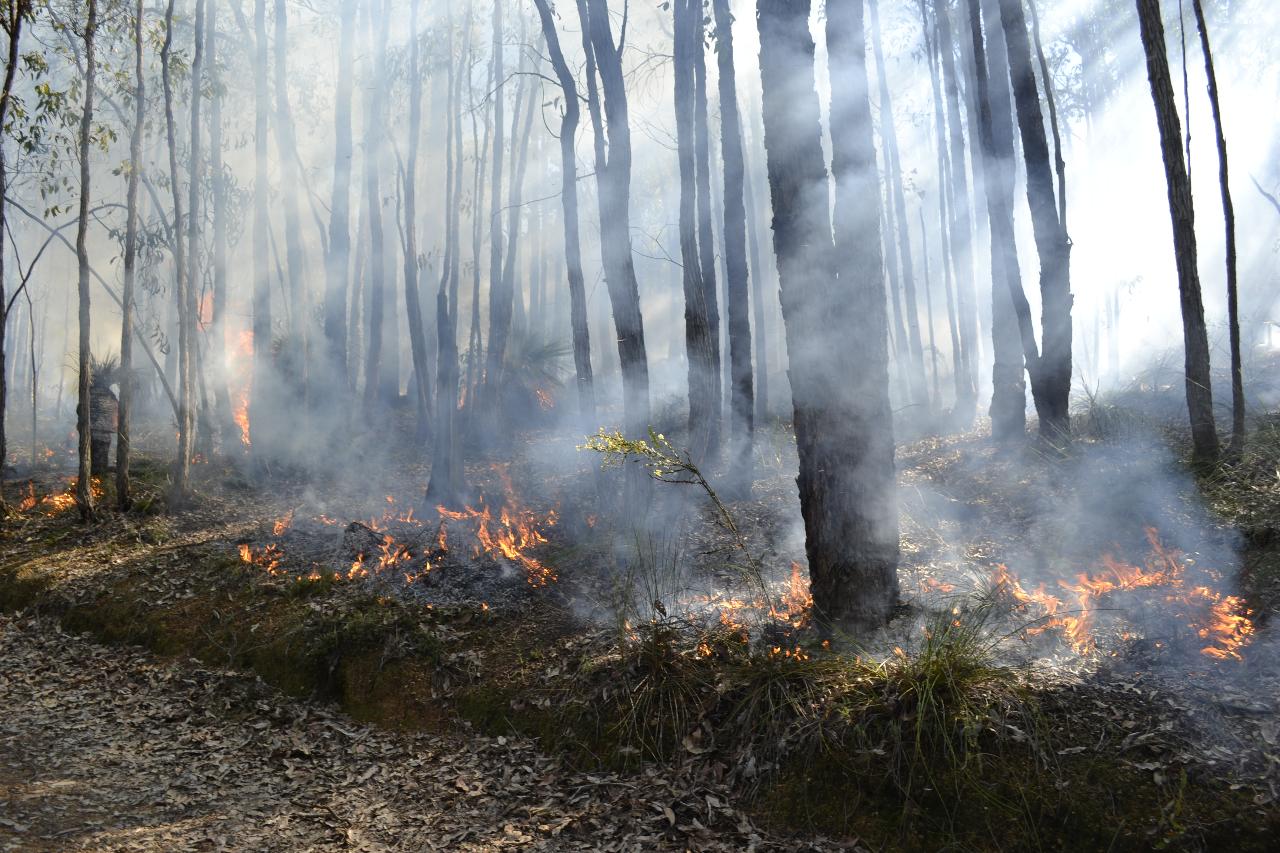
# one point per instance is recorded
(510, 536)
(1220, 621)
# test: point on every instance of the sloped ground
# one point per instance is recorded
(108, 749)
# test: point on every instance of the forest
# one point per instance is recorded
(691, 425)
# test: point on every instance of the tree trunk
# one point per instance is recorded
(260, 393)
(413, 307)
(759, 318)
(374, 132)
(1204, 433)
(569, 205)
(835, 327)
(336, 270)
(995, 134)
(706, 233)
(295, 350)
(499, 302)
(893, 163)
(1053, 372)
(15, 14)
(961, 224)
(1229, 219)
(218, 329)
(738, 307)
(84, 490)
(699, 343)
(125, 412)
(614, 199)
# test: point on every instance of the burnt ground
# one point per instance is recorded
(107, 746)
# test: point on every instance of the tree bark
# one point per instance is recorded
(699, 343)
(569, 205)
(835, 324)
(295, 349)
(1204, 433)
(84, 490)
(614, 199)
(995, 133)
(1236, 447)
(373, 148)
(1053, 372)
(413, 306)
(336, 270)
(706, 231)
(15, 13)
(736, 271)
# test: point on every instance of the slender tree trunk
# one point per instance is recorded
(1204, 433)
(295, 349)
(447, 486)
(130, 267)
(961, 223)
(374, 132)
(182, 464)
(413, 307)
(195, 180)
(475, 344)
(995, 134)
(499, 301)
(835, 325)
(699, 343)
(1229, 219)
(227, 429)
(260, 393)
(706, 238)
(893, 163)
(569, 205)
(1053, 371)
(736, 271)
(759, 318)
(339, 260)
(614, 198)
(84, 490)
(15, 14)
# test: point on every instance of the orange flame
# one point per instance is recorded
(1221, 621)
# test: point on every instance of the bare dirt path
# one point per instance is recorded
(110, 749)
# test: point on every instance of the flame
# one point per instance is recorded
(1220, 621)
(545, 401)
(244, 355)
(797, 601)
(282, 524)
(29, 499)
(510, 536)
(268, 558)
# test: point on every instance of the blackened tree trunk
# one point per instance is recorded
(336, 268)
(1229, 220)
(1053, 373)
(995, 134)
(835, 321)
(614, 199)
(699, 342)
(706, 232)
(1204, 433)
(125, 411)
(569, 205)
(15, 15)
(738, 307)
(413, 305)
(84, 490)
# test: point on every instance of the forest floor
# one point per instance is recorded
(622, 687)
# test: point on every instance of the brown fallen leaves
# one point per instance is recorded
(107, 749)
